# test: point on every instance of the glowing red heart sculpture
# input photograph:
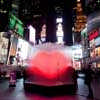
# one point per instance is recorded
(49, 64)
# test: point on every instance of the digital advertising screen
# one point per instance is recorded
(16, 25)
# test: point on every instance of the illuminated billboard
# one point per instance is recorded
(3, 48)
(59, 31)
(12, 22)
(19, 28)
(16, 25)
(93, 34)
(43, 33)
(32, 33)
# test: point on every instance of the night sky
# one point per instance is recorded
(48, 15)
(67, 22)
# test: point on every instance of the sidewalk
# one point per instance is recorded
(83, 89)
(96, 88)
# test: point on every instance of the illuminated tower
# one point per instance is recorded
(59, 32)
(32, 33)
(80, 21)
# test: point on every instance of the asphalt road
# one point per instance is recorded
(18, 93)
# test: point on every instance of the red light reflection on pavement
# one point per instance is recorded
(38, 97)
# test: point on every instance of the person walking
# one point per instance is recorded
(88, 80)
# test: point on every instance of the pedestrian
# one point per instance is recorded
(88, 80)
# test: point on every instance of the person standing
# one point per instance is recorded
(88, 80)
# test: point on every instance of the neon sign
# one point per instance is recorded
(93, 34)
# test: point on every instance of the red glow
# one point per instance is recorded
(64, 97)
(49, 64)
(93, 35)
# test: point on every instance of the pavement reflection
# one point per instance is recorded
(18, 93)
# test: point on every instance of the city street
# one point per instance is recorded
(18, 93)
(49, 49)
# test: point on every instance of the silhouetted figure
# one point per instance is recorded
(88, 80)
